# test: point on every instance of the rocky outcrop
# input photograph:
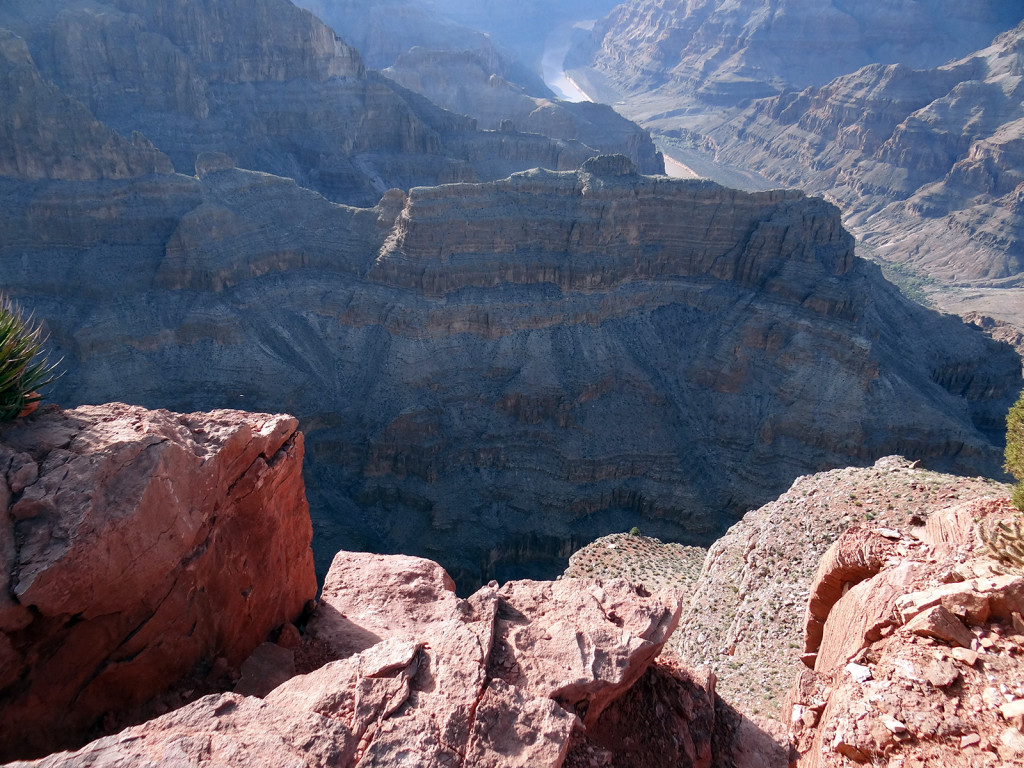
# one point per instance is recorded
(136, 546)
(506, 671)
(921, 660)
(464, 357)
(532, 674)
(768, 584)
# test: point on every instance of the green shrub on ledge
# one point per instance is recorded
(1015, 449)
(24, 369)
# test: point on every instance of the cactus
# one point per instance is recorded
(1006, 543)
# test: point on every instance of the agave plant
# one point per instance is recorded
(24, 369)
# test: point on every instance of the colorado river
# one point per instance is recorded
(553, 71)
(553, 62)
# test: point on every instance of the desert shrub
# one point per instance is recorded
(634, 531)
(24, 368)
(1015, 449)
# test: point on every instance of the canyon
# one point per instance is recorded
(425, 332)
(462, 380)
(907, 116)
(462, 356)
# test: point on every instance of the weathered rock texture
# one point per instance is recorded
(722, 53)
(505, 671)
(535, 674)
(265, 83)
(45, 134)
(744, 613)
(465, 357)
(926, 163)
(918, 656)
(134, 546)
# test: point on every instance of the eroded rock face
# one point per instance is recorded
(466, 82)
(725, 53)
(466, 356)
(922, 660)
(859, 102)
(520, 647)
(535, 674)
(47, 135)
(269, 85)
(937, 165)
(135, 545)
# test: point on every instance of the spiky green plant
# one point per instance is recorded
(24, 369)
(1006, 543)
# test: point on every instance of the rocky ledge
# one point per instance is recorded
(143, 548)
(915, 647)
(135, 547)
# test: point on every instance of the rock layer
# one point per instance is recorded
(137, 545)
(506, 671)
(48, 135)
(932, 178)
(465, 356)
(267, 84)
(857, 102)
(722, 54)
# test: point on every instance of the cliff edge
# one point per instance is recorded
(136, 546)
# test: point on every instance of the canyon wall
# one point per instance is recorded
(463, 358)
(932, 177)
(136, 547)
(721, 54)
(466, 82)
(859, 103)
(269, 85)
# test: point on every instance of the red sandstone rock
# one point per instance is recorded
(135, 545)
(856, 556)
(502, 673)
(580, 643)
(939, 623)
(915, 699)
(224, 730)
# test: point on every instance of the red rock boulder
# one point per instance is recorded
(134, 546)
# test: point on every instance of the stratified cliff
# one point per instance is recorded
(48, 135)
(489, 374)
(857, 102)
(722, 53)
(927, 163)
(269, 85)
